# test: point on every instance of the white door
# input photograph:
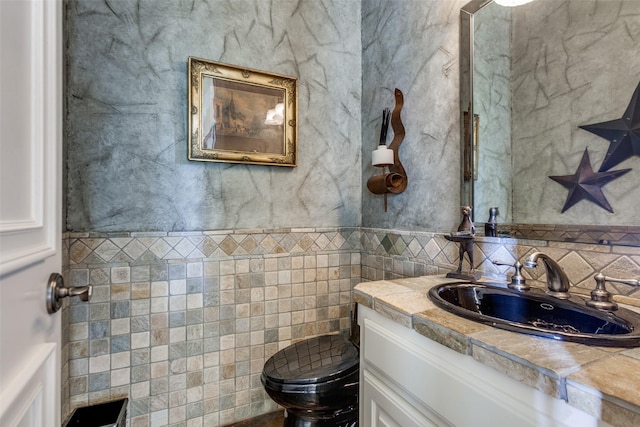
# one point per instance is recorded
(30, 203)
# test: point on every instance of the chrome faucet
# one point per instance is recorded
(557, 280)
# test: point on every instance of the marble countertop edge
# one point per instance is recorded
(548, 372)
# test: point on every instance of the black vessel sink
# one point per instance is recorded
(536, 313)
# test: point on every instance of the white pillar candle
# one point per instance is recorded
(382, 156)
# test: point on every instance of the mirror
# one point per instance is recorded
(529, 77)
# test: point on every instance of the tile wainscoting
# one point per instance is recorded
(182, 323)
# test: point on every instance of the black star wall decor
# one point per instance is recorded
(586, 184)
(623, 134)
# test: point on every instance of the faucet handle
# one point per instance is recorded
(632, 282)
(601, 298)
(518, 281)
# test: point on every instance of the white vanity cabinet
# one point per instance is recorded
(407, 380)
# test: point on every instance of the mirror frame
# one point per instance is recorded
(574, 233)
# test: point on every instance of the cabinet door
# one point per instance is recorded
(384, 407)
(409, 380)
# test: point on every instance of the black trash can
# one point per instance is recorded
(108, 414)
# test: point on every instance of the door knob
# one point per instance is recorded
(56, 291)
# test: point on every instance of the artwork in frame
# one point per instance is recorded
(240, 115)
(471, 144)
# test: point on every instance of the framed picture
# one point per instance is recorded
(239, 115)
(471, 144)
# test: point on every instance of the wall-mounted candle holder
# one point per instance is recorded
(393, 178)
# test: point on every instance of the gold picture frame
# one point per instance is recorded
(240, 115)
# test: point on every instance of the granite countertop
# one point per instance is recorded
(601, 381)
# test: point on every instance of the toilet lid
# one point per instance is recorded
(313, 360)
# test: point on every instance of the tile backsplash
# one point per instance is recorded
(182, 323)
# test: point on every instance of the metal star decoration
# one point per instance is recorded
(623, 134)
(586, 184)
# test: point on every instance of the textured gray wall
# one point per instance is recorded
(413, 45)
(126, 136)
(126, 127)
(126, 133)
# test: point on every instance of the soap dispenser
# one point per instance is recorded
(491, 226)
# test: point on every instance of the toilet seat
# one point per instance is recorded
(316, 381)
(323, 359)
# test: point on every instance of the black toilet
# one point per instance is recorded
(316, 381)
